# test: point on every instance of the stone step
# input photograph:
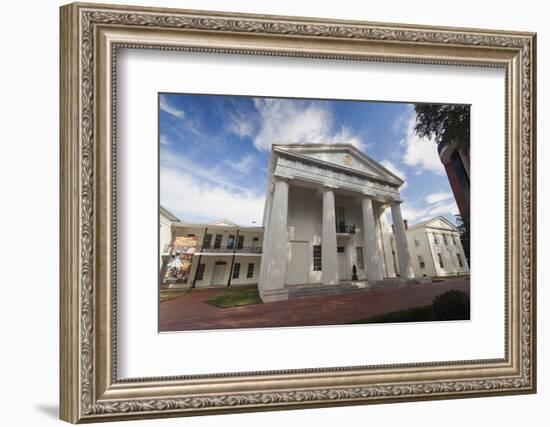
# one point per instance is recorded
(302, 291)
(309, 291)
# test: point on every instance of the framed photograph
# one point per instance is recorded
(267, 212)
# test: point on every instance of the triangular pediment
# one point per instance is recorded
(440, 223)
(223, 223)
(342, 156)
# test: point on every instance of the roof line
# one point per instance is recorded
(169, 214)
(423, 223)
(359, 153)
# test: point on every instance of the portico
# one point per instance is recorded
(325, 217)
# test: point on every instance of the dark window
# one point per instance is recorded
(230, 241)
(340, 249)
(190, 235)
(445, 238)
(236, 270)
(250, 271)
(240, 242)
(317, 258)
(218, 241)
(440, 259)
(459, 258)
(460, 172)
(340, 219)
(207, 241)
(360, 259)
(200, 271)
(435, 239)
(255, 239)
(421, 262)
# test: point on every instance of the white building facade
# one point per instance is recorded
(217, 254)
(436, 250)
(325, 213)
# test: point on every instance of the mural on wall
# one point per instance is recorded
(181, 257)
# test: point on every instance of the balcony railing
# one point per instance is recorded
(345, 229)
(239, 249)
(222, 249)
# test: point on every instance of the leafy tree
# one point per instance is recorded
(464, 229)
(443, 122)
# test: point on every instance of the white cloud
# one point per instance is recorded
(244, 165)
(196, 200)
(164, 140)
(344, 136)
(282, 121)
(211, 175)
(401, 122)
(238, 123)
(420, 153)
(393, 168)
(438, 197)
(170, 109)
(415, 214)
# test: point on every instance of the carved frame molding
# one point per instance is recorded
(90, 37)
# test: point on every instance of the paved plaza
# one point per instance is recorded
(190, 312)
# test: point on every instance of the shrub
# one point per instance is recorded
(452, 305)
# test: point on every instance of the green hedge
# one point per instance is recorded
(452, 305)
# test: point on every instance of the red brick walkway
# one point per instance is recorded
(190, 312)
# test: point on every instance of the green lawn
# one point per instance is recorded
(234, 297)
(415, 314)
(165, 295)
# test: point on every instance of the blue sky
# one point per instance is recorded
(214, 151)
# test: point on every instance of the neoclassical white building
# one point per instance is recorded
(436, 249)
(325, 213)
(325, 224)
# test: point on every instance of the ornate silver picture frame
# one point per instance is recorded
(91, 34)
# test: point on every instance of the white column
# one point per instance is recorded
(267, 207)
(386, 240)
(405, 264)
(275, 250)
(372, 250)
(329, 260)
(377, 213)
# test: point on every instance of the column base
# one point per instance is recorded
(273, 295)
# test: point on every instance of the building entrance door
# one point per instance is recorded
(298, 266)
(219, 273)
(342, 263)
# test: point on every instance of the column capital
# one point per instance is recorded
(280, 177)
(278, 180)
(386, 200)
(328, 186)
(367, 196)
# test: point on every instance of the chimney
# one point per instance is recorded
(406, 224)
